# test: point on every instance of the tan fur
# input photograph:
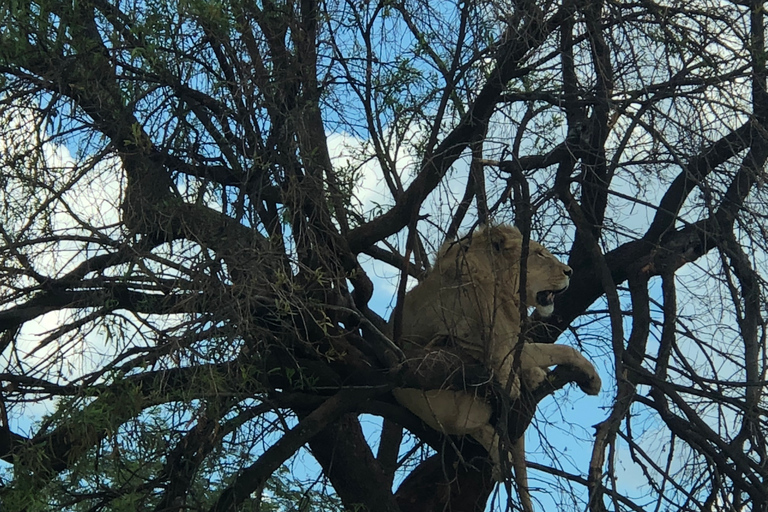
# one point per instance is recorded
(470, 301)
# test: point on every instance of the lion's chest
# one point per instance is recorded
(478, 317)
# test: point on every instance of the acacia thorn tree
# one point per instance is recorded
(209, 209)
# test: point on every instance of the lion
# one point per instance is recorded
(470, 303)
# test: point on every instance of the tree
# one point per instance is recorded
(189, 249)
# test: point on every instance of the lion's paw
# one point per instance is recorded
(590, 383)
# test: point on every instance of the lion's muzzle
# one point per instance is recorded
(547, 297)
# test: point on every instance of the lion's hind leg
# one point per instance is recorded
(517, 454)
(490, 440)
(445, 410)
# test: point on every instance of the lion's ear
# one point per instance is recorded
(499, 237)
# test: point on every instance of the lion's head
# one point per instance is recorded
(493, 253)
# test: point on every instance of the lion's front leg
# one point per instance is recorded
(535, 356)
(502, 364)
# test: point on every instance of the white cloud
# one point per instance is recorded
(48, 192)
(356, 158)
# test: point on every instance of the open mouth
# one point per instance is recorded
(547, 297)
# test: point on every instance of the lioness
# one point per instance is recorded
(471, 299)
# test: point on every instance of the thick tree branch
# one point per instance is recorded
(693, 175)
(346, 458)
(112, 296)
